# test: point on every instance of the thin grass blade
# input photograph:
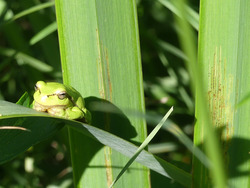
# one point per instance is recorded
(142, 146)
(43, 33)
(32, 10)
(191, 16)
(26, 59)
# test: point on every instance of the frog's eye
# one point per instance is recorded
(62, 95)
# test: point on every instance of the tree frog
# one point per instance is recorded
(60, 100)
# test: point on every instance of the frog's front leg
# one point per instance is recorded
(74, 113)
(71, 113)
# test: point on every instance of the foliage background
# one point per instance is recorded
(166, 83)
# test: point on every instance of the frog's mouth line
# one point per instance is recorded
(49, 106)
(45, 108)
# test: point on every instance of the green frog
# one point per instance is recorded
(60, 100)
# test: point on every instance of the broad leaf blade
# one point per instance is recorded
(16, 141)
(42, 126)
(224, 55)
(101, 57)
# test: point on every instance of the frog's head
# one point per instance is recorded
(51, 94)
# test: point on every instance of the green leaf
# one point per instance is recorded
(224, 57)
(203, 122)
(15, 141)
(100, 53)
(24, 100)
(42, 126)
